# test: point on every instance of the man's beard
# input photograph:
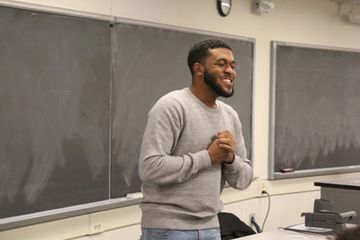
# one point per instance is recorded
(210, 80)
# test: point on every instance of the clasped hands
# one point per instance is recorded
(222, 149)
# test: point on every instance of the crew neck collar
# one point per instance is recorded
(202, 104)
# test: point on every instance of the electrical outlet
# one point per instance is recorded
(96, 228)
(263, 186)
(251, 215)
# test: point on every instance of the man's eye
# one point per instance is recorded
(221, 64)
(224, 65)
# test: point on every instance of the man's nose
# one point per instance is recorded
(230, 69)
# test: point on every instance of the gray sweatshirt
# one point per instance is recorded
(181, 188)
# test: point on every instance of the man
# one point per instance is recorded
(192, 144)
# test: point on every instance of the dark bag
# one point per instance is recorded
(232, 227)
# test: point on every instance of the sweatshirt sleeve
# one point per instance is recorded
(163, 129)
(239, 173)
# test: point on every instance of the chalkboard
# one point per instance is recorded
(150, 61)
(74, 96)
(54, 105)
(315, 110)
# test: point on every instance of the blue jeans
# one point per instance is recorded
(171, 234)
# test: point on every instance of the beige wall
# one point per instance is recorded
(300, 21)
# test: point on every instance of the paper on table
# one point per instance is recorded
(302, 228)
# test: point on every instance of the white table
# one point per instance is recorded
(281, 234)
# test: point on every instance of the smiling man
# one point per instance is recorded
(192, 145)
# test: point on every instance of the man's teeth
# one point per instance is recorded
(227, 81)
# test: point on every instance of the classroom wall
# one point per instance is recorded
(301, 21)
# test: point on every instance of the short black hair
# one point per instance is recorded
(199, 51)
(349, 234)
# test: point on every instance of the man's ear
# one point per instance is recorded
(198, 69)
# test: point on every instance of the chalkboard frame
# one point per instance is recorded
(273, 174)
(111, 203)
